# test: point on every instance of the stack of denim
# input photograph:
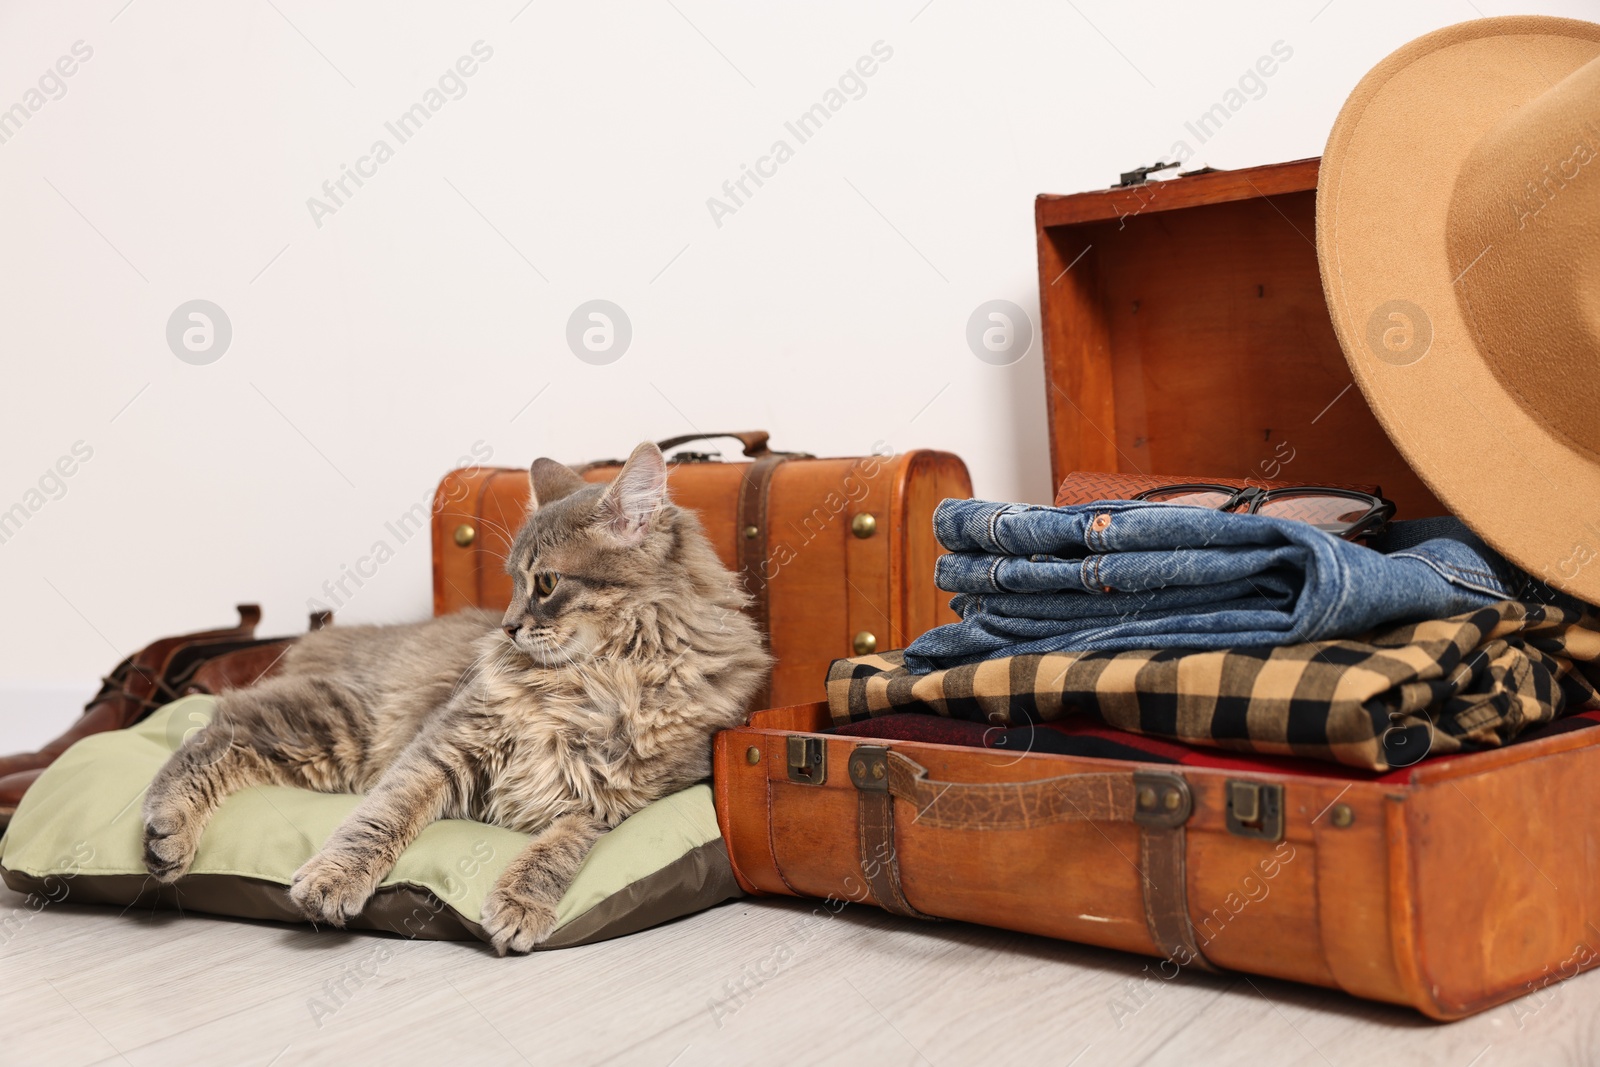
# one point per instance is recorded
(1120, 575)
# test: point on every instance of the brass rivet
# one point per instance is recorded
(1147, 797)
(1172, 800)
(866, 642)
(466, 534)
(1101, 521)
(858, 770)
(752, 532)
(864, 525)
(877, 770)
(752, 754)
(1343, 815)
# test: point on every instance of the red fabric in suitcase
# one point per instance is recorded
(1087, 737)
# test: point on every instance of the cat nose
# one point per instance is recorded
(511, 628)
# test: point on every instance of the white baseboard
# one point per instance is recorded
(31, 713)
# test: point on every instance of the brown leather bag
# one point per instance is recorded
(837, 554)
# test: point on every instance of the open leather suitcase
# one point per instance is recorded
(1452, 887)
(837, 554)
(1185, 330)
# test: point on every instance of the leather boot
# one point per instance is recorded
(236, 668)
(139, 684)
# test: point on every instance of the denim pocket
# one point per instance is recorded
(1462, 567)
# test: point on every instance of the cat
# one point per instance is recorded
(624, 648)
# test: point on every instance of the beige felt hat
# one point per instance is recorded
(1458, 229)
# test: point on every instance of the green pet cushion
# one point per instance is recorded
(77, 836)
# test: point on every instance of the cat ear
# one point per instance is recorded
(550, 481)
(632, 500)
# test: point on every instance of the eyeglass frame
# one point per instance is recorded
(1380, 509)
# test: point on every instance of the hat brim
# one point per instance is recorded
(1383, 195)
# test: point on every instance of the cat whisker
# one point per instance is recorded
(509, 533)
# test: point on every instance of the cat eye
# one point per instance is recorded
(544, 583)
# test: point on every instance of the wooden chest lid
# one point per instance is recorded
(1185, 329)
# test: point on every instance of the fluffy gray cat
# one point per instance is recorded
(623, 650)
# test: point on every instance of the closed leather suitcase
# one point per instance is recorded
(1451, 887)
(837, 554)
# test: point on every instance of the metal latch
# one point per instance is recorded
(1140, 175)
(1255, 809)
(808, 760)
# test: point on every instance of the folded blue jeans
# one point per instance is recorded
(1118, 575)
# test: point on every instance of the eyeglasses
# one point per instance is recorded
(1344, 513)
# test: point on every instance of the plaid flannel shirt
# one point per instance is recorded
(1378, 702)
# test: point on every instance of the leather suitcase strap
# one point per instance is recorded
(1158, 802)
(875, 832)
(1166, 894)
(751, 542)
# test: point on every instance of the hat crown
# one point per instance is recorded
(1523, 230)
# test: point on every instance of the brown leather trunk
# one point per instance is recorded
(1471, 883)
(836, 553)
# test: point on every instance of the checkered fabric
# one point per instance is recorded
(1378, 702)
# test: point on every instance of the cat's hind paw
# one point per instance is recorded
(331, 889)
(516, 921)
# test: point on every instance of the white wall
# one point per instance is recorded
(370, 352)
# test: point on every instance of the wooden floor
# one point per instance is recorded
(754, 981)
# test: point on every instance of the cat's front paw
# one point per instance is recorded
(332, 888)
(515, 920)
(170, 842)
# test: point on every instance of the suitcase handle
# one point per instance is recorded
(1158, 802)
(1154, 799)
(754, 441)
